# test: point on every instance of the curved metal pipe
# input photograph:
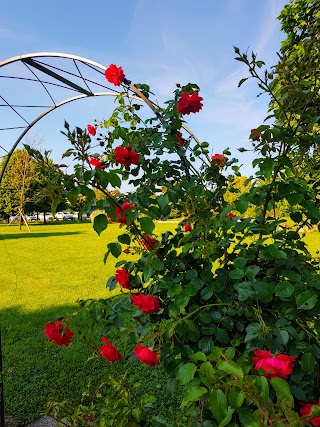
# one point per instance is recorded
(44, 113)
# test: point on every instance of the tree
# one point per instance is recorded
(299, 66)
(18, 183)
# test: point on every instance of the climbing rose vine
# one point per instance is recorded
(227, 297)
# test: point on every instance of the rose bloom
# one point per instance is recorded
(230, 215)
(256, 138)
(148, 242)
(180, 139)
(119, 212)
(58, 334)
(187, 227)
(125, 156)
(148, 304)
(189, 103)
(279, 366)
(91, 130)
(96, 163)
(305, 411)
(109, 352)
(122, 218)
(146, 355)
(114, 74)
(123, 278)
(218, 160)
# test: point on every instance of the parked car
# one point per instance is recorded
(14, 218)
(64, 216)
(31, 217)
(48, 215)
(76, 216)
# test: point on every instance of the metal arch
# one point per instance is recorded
(28, 61)
(44, 113)
(52, 55)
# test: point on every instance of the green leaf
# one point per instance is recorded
(306, 300)
(308, 363)
(73, 195)
(296, 216)
(242, 81)
(115, 249)
(147, 272)
(207, 374)
(193, 394)
(231, 368)
(282, 389)
(111, 283)
(157, 264)
(222, 336)
(240, 262)
(284, 290)
(182, 299)
(124, 238)
(295, 198)
(236, 274)
(163, 201)
(102, 177)
(114, 179)
(100, 223)
(263, 386)
(245, 290)
(218, 404)
(199, 356)
(174, 289)
(132, 216)
(242, 205)
(147, 225)
(276, 253)
(191, 274)
(186, 373)
(236, 398)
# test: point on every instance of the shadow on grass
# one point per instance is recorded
(35, 371)
(31, 235)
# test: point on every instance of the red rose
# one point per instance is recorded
(114, 74)
(125, 156)
(96, 163)
(305, 411)
(148, 242)
(279, 366)
(257, 137)
(148, 304)
(230, 215)
(58, 334)
(218, 160)
(119, 212)
(126, 251)
(123, 278)
(180, 141)
(109, 352)
(146, 355)
(91, 130)
(101, 143)
(187, 227)
(189, 103)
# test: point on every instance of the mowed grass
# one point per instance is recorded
(43, 274)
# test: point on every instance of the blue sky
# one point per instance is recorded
(159, 43)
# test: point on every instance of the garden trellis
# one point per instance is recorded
(52, 77)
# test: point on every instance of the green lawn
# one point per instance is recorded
(43, 274)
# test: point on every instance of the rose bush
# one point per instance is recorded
(228, 304)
